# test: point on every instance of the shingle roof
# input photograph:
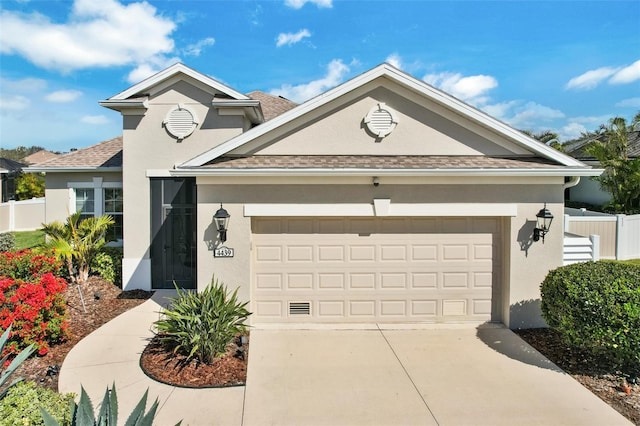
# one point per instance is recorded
(378, 162)
(103, 154)
(39, 157)
(272, 106)
(10, 165)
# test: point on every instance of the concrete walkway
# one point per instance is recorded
(453, 376)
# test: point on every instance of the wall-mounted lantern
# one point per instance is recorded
(543, 223)
(221, 219)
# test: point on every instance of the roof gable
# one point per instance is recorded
(411, 88)
(174, 73)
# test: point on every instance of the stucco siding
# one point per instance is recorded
(525, 264)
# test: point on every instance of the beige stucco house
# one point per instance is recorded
(381, 201)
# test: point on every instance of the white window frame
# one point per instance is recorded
(98, 185)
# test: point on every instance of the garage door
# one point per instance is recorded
(374, 270)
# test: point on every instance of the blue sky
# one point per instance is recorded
(566, 66)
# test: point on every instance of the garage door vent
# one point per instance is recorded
(299, 308)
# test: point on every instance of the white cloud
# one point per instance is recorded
(24, 85)
(97, 34)
(570, 131)
(196, 48)
(292, 38)
(591, 79)
(627, 74)
(336, 72)
(95, 119)
(394, 60)
(524, 116)
(630, 103)
(471, 89)
(298, 4)
(63, 96)
(14, 102)
(149, 68)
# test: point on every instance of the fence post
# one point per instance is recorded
(621, 241)
(595, 247)
(12, 215)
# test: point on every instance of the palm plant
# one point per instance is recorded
(77, 241)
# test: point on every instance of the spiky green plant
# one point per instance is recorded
(78, 241)
(82, 413)
(202, 325)
(15, 363)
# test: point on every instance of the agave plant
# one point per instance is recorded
(82, 413)
(201, 325)
(15, 363)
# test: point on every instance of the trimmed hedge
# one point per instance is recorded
(22, 405)
(596, 306)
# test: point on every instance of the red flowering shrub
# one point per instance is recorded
(26, 264)
(31, 299)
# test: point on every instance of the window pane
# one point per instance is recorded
(85, 200)
(113, 200)
(115, 231)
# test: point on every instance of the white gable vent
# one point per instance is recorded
(180, 122)
(381, 120)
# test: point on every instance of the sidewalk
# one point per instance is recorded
(112, 354)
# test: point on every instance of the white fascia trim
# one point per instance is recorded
(93, 184)
(118, 105)
(170, 72)
(185, 172)
(72, 169)
(251, 107)
(368, 210)
(402, 79)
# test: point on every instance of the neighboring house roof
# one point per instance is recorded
(272, 106)
(392, 74)
(105, 155)
(11, 165)
(39, 157)
(577, 148)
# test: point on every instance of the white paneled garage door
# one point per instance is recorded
(374, 270)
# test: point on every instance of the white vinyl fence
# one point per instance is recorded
(619, 235)
(27, 215)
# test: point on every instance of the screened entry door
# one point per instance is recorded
(173, 254)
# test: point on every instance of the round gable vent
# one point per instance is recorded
(180, 122)
(381, 120)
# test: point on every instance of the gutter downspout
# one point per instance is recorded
(573, 181)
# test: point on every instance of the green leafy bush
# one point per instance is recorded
(7, 241)
(108, 264)
(202, 325)
(21, 406)
(596, 306)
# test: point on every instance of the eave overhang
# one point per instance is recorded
(126, 104)
(249, 107)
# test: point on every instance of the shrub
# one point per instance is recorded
(83, 415)
(27, 264)
(7, 241)
(108, 264)
(36, 311)
(596, 306)
(21, 405)
(201, 325)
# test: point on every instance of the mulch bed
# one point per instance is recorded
(104, 301)
(164, 366)
(588, 371)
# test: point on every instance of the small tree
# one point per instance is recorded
(621, 177)
(29, 185)
(77, 241)
(547, 137)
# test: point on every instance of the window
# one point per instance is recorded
(99, 198)
(113, 206)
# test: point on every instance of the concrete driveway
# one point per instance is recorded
(453, 376)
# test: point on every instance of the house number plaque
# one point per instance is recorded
(223, 252)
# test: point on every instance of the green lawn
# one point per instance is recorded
(28, 239)
(632, 261)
